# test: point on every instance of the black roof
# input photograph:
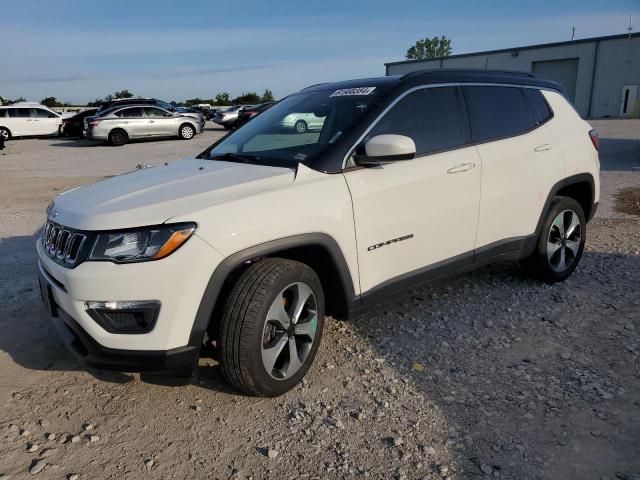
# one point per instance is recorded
(446, 75)
(525, 47)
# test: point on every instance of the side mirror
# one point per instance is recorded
(385, 148)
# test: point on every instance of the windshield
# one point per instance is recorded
(297, 129)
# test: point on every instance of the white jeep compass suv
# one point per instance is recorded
(251, 243)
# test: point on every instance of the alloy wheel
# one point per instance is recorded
(289, 331)
(187, 132)
(563, 243)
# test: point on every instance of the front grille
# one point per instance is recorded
(62, 244)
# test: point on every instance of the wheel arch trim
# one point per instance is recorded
(236, 260)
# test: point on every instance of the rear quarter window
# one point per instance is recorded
(538, 108)
(496, 112)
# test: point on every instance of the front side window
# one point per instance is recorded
(430, 116)
(3, 112)
(41, 113)
(496, 112)
(130, 113)
(155, 112)
(297, 129)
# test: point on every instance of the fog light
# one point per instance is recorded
(125, 317)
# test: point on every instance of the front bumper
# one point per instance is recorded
(178, 282)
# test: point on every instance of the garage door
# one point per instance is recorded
(564, 71)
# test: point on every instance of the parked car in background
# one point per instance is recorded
(300, 122)
(74, 125)
(228, 117)
(247, 113)
(28, 119)
(121, 102)
(121, 124)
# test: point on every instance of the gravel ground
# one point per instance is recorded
(486, 375)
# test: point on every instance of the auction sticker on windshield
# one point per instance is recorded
(352, 91)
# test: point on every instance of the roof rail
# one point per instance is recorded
(479, 71)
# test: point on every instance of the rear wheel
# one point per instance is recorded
(118, 138)
(186, 131)
(271, 327)
(5, 133)
(560, 244)
(300, 126)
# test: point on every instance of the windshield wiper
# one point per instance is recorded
(236, 157)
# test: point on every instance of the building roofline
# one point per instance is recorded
(526, 47)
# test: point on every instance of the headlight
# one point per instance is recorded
(140, 245)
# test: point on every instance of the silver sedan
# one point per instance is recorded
(118, 125)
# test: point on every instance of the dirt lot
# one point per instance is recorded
(487, 374)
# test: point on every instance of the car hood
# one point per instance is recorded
(153, 195)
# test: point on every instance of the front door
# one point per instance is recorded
(417, 215)
(44, 121)
(160, 122)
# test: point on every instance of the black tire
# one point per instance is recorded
(244, 325)
(118, 137)
(186, 131)
(539, 264)
(6, 133)
(227, 127)
(300, 126)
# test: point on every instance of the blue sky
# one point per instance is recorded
(80, 50)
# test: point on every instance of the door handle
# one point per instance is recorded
(461, 168)
(544, 147)
(126, 121)
(151, 121)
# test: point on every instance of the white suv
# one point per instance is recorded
(28, 119)
(250, 244)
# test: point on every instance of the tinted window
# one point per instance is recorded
(430, 116)
(130, 112)
(155, 112)
(3, 112)
(20, 112)
(41, 113)
(496, 112)
(538, 107)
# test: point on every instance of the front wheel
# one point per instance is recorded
(186, 131)
(560, 244)
(271, 327)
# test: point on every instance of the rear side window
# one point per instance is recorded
(538, 107)
(130, 112)
(430, 116)
(496, 112)
(19, 113)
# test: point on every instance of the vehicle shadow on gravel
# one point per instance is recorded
(528, 373)
(76, 142)
(619, 155)
(27, 334)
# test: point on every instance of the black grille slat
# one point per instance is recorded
(62, 244)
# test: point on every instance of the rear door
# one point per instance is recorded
(134, 121)
(160, 122)
(413, 216)
(520, 163)
(44, 122)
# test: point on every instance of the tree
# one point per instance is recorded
(50, 102)
(246, 98)
(430, 48)
(223, 98)
(123, 94)
(267, 96)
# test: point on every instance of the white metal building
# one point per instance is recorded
(600, 74)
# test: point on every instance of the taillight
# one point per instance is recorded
(593, 135)
(93, 123)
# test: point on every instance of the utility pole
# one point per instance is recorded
(573, 33)
(630, 27)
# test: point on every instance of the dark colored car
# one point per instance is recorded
(72, 126)
(247, 113)
(120, 102)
